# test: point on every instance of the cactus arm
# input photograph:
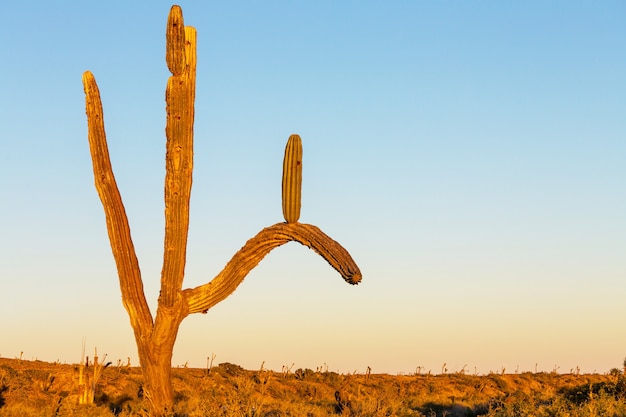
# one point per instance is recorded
(292, 179)
(202, 298)
(336, 255)
(133, 296)
(179, 96)
(175, 41)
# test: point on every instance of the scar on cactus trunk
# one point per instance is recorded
(155, 335)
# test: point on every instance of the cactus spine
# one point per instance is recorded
(155, 336)
(292, 179)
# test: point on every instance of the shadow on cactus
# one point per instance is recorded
(155, 335)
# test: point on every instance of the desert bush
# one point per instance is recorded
(303, 374)
(230, 369)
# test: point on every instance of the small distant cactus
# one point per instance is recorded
(155, 335)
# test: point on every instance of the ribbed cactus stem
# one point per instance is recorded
(175, 41)
(292, 179)
(179, 97)
(118, 227)
(202, 298)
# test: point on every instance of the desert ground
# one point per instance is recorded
(36, 388)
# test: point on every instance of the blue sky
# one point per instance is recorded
(469, 155)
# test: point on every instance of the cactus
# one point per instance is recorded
(292, 179)
(155, 336)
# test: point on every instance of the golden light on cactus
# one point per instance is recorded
(292, 179)
(175, 41)
(155, 335)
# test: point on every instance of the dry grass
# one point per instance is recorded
(33, 388)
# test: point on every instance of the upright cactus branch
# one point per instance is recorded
(155, 337)
(175, 42)
(118, 228)
(179, 97)
(292, 179)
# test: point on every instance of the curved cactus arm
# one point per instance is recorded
(133, 296)
(202, 298)
(179, 97)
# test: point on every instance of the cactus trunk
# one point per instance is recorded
(156, 368)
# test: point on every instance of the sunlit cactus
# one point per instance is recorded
(292, 179)
(155, 335)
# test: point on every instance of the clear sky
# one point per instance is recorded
(470, 155)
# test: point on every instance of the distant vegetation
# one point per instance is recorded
(33, 388)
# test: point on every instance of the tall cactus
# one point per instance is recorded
(155, 336)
